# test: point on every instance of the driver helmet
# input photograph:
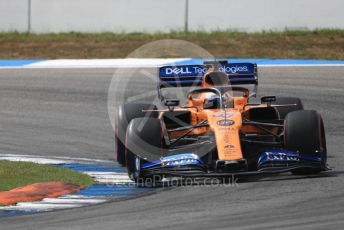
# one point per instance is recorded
(215, 78)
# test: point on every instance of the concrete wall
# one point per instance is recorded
(166, 15)
(257, 15)
(107, 15)
(14, 15)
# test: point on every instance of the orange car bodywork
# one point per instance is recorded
(226, 123)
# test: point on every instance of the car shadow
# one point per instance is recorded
(233, 181)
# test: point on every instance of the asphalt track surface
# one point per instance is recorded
(60, 112)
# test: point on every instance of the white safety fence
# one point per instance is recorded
(43, 16)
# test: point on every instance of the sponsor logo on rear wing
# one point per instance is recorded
(191, 75)
(200, 70)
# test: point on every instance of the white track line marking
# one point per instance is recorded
(106, 174)
(104, 63)
(37, 206)
(34, 160)
(143, 62)
(57, 159)
(299, 65)
(72, 201)
(109, 177)
(114, 182)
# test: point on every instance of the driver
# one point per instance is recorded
(215, 78)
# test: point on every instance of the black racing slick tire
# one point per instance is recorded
(294, 102)
(305, 133)
(144, 138)
(124, 114)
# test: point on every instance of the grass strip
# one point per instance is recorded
(16, 174)
(317, 44)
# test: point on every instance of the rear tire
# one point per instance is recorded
(144, 137)
(304, 132)
(283, 111)
(124, 114)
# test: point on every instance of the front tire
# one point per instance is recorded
(305, 133)
(144, 139)
(124, 114)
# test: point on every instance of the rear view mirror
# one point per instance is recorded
(268, 99)
(171, 102)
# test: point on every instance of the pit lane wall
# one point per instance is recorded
(44, 16)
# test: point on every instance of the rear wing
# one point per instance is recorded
(191, 75)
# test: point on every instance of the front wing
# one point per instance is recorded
(189, 165)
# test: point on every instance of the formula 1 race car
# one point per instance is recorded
(215, 131)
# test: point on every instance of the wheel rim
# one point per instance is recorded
(137, 166)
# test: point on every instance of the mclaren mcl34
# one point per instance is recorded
(214, 130)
